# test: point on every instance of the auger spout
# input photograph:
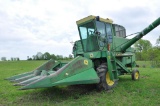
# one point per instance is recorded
(140, 35)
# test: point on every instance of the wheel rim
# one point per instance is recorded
(136, 75)
(108, 80)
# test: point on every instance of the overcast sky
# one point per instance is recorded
(31, 26)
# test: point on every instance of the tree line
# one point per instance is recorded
(145, 51)
(48, 56)
(11, 59)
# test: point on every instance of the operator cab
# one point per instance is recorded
(120, 31)
(95, 33)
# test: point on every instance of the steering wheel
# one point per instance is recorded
(91, 32)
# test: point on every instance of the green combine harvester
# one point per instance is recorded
(101, 55)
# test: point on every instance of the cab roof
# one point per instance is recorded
(91, 17)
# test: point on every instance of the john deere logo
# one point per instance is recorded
(86, 62)
(91, 55)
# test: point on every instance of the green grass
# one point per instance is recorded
(147, 64)
(145, 92)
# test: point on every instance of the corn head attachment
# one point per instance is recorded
(50, 66)
(78, 71)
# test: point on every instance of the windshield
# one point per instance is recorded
(101, 29)
(105, 32)
(89, 40)
(86, 30)
(95, 35)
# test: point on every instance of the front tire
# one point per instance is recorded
(105, 82)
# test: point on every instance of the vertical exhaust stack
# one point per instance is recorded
(140, 35)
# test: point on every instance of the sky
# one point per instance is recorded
(31, 26)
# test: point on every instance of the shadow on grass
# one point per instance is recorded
(57, 94)
(125, 78)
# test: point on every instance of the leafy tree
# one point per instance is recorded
(65, 58)
(59, 57)
(39, 56)
(155, 57)
(158, 43)
(70, 56)
(46, 56)
(142, 45)
(53, 56)
(18, 59)
(3, 58)
(12, 58)
(29, 58)
(34, 57)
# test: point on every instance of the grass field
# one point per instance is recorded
(147, 64)
(145, 92)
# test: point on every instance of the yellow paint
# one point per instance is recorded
(108, 80)
(86, 62)
(67, 74)
(137, 75)
(91, 17)
(91, 55)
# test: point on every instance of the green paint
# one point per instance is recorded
(78, 71)
(101, 44)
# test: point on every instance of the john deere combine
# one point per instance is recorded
(101, 55)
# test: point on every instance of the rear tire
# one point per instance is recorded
(105, 82)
